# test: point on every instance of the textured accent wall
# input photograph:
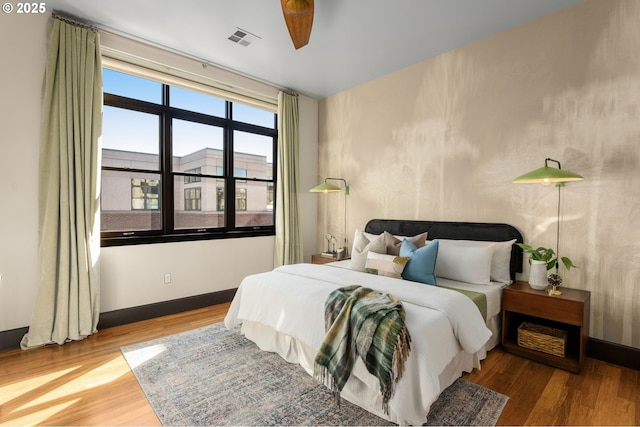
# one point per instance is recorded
(443, 139)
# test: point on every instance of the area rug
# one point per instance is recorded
(215, 376)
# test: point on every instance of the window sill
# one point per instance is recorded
(183, 237)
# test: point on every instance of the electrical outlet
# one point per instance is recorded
(167, 277)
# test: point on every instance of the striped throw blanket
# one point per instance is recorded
(363, 323)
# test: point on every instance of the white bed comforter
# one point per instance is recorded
(442, 323)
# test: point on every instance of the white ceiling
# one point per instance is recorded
(352, 41)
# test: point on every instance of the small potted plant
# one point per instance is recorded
(542, 259)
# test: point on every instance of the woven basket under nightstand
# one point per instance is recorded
(542, 338)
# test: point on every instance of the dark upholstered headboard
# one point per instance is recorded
(456, 231)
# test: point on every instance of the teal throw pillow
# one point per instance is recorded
(422, 262)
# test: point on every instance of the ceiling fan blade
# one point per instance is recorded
(298, 14)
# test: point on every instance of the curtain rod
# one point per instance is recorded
(204, 62)
(290, 92)
(72, 21)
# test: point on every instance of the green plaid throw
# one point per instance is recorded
(361, 322)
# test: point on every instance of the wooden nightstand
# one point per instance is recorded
(568, 312)
(322, 259)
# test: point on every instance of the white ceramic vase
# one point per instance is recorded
(538, 275)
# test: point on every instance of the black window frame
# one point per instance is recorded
(168, 232)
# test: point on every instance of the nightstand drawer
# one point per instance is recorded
(322, 259)
(560, 310)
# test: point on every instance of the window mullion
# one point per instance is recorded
(166, 148)
(229, 182)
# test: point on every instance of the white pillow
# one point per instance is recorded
(359, 234)
(501, 260)
(369, 235)
(471, 264)
(361, 246)
(386, 265)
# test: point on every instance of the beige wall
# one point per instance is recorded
(443, 139)
(23, 57)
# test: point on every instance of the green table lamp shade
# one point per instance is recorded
(547, 175)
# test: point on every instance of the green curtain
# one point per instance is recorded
(288, 246)
(68, 301)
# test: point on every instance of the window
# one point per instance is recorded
(220, 198)
(144, 194)
(182, 165)
(189, 179)
(192, 199)
(270, 196)
(241, 199)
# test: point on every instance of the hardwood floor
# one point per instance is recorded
(89, 383)
(602, 394)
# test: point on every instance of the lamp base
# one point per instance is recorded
(554, 291)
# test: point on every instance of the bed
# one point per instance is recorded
(283, 310)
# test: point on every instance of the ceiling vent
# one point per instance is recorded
(243, 37)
